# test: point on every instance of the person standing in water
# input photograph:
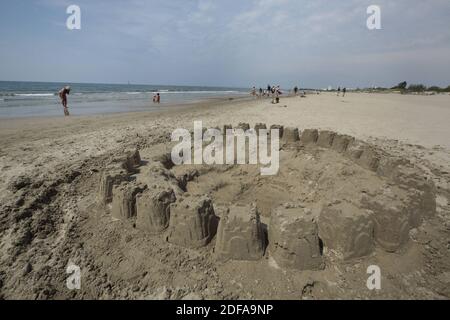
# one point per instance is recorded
(63, 95)
(157, 98)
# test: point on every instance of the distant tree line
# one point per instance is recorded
(403, 87)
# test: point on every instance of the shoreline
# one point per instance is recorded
(165, 109)
(148, 107)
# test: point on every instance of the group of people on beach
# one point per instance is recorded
(64, 92)
(275, 92)
(344, 91)
(271, 91)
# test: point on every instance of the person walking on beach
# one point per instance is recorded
(276, 92)
(63, 95)
(339, 91)
(344, 91)
(254, 92)
(296, 90)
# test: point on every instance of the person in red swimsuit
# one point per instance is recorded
(63, 95)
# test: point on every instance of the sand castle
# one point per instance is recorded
(316, 221)
(347, 229)
(241, 234)
(153, 209)
(124, 200)
(193, 223)
(289, 135)
(294, 238)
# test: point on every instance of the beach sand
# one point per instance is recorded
(56, 162)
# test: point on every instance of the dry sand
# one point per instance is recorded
(50, 170)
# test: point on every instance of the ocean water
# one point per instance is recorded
(40, 99)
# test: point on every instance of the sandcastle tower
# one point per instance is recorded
(293, 238)
(240, 234)
(347, 229)
(153, 209)
(192, 222)
(124, 200)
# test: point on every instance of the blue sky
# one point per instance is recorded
(314, 43)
